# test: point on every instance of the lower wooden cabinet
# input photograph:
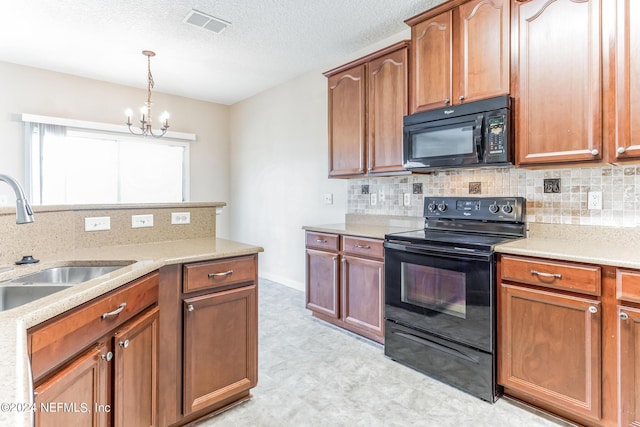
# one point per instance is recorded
(362, 289)
(113, 381)
(629, 365)
(345, 282)
(135, 366)
(81, 385)
(323, 278)
(550, 349)
(220, 346)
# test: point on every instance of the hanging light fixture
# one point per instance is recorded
(145, 112)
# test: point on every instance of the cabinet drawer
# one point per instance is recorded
(214, 274)
(63, 337)
(552, 274)
(361, 246)
(628, 285)
(323, 241)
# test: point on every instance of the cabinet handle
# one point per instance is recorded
(226, 273)
(124, 344)
(621, 150)
(538, 273)
(114, 312)
(107, 356)
(359, 246)
(447, 101)
(623, 316)
(595, 152)
(190, 307)
(461, 97)
(321, 241)
(593, 309)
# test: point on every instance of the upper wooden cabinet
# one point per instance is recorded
(557, 82)
(459, 54)
(625, 143)
(367, 100)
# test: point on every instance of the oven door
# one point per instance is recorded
(448, 292)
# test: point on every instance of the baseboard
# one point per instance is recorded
(283, 281)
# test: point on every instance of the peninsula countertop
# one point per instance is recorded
(146, 257)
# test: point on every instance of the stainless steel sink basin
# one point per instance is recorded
(68, 274)
(12, 296)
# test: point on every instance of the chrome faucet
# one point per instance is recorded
(24, 214)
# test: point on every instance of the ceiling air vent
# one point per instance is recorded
(205, 21)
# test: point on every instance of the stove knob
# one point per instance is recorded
(494, 208)
(507, 208)
(442, 207)
(432, 207)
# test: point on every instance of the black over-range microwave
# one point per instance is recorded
(467, 135)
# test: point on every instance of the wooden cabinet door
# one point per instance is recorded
(629, 365)
(83, 386)
(558, 89)
(136, 372)
(220, 353)
(322, 281)
(347, 122)
(363, 294)
(431, 58)
(627, 111)
(388, 92)
(482, 49)
(550, 349)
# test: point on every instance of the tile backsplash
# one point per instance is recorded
(619, 184)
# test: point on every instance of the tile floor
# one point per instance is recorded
(313, 374)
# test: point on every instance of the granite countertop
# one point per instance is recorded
(147, 257)
(359, 230)
(596, 251)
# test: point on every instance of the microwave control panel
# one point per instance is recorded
(496, 138)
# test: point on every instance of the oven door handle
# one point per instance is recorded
(437, 346)
(439, 251)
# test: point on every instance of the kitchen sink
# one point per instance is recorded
(30, 287)
(12, 296)
(71, 274)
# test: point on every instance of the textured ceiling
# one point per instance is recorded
(267, 43)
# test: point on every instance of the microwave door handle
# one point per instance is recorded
(479, 150)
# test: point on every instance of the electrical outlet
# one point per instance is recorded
(381, 196)
(97, 223)
(406, 199)
(328, 198)
(180, 217)
(374, 199)
(594, 199)
(140, 221)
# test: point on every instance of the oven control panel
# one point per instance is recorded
(510, 209)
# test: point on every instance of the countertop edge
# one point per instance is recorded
(563, 250)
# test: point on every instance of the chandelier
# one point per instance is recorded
(145, 112)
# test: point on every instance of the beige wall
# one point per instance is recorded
(279, 170)
(35, 91)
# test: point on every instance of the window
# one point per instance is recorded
(81, 166)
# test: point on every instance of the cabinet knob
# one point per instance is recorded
(623, 316)
(593, 309)
(595, 152)
(107, 356)
(190, 307)
(461, 97)
(124, 344)
(621, 150)
(447, 101)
